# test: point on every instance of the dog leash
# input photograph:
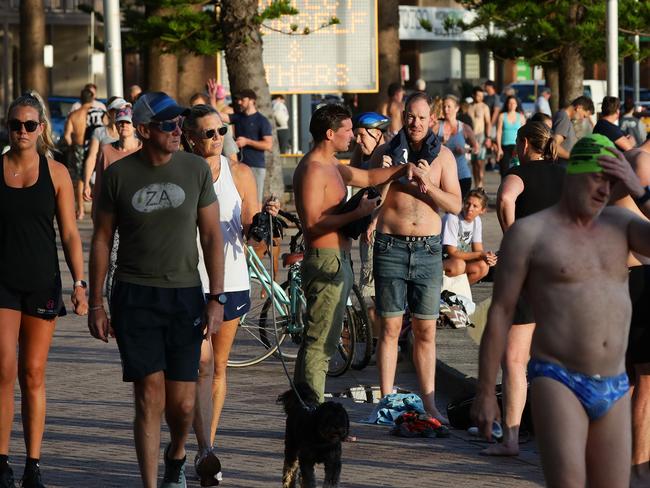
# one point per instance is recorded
(275, 324)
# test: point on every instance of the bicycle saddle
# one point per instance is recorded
(289, 259)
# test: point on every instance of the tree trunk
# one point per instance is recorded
(193, 73)
(162, 72)
(572, 66)
(33, 74)
(552, 76)
(572, 73)
(162, 68)
(388, 43)
(243, 51)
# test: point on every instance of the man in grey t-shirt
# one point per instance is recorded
(563, 131)
(157, 197)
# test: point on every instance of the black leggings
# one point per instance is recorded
(506, 160)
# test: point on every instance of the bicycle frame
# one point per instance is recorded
(292, 302)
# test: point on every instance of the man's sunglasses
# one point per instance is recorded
(209, 134)
(29, 125)
(168, 125)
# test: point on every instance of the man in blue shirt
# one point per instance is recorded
(253, 135)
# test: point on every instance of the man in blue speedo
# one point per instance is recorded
(571, 260)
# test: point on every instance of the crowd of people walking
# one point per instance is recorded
(174, 191)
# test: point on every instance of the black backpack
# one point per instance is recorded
(354, 229)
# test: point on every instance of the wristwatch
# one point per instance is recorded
(221, 298)
(80, 283)
(643, 198)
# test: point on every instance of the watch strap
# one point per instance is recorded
(221, 298)
(643, 198)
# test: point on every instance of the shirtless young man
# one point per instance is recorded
(319, 184)
(75, 137)
(579, 388)
(408, 251)
(393, 108)
(638, 349)
(481, 125)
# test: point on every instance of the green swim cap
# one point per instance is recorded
(584, 155)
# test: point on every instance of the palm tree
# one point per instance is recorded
(32, 42)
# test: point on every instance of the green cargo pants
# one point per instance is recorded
(327, 279)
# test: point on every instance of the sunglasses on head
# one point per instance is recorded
(30, 125)
(209, 134)
(168, 125)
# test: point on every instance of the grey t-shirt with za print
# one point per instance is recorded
(156, 211)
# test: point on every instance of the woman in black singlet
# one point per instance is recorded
(526, 189)
(33, 190)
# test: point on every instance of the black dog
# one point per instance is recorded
(313, 435)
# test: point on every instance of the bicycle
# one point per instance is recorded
(259, 338)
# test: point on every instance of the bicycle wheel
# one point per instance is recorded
(256, 339)
(364, 340)
(291, 328)
(342, 358)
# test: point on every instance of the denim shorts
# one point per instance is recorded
(407, 272)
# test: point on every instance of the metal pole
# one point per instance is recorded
(491, 66)
(612, 48)
(114, 83)
(294, 124)
(636, 73)
(6, 96)
(91, 47)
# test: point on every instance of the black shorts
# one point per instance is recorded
(46, 303)
(158, 329)
(638, 349)
(238, 304)
(523, 312)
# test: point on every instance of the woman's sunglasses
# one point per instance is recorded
(168, 125)
(29, 125)
(209, 134)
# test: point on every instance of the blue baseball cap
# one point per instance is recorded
(156, 106)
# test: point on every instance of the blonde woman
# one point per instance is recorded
(34, 189)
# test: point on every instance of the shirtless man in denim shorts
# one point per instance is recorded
(407, 252)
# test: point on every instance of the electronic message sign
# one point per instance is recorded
(338, 58)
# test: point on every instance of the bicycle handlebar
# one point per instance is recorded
(291, 218)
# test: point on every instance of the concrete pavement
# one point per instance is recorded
(88, 439)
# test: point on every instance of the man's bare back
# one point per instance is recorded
(76, 125)
(570, 266)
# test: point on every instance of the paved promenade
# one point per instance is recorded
(88, 439)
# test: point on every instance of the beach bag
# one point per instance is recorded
(452, 312)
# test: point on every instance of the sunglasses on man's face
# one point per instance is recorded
(209, 134)
(168, 125)
(30, 125)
